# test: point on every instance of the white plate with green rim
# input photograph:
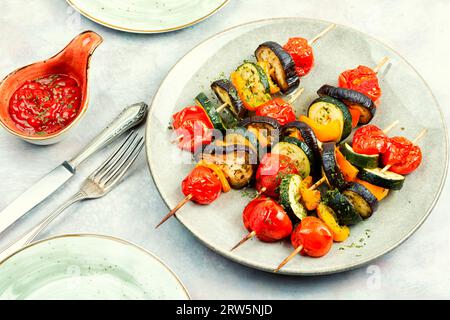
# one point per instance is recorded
(406, 97)
(87, 267)
(147, 16)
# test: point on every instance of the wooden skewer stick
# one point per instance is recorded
(177, 139)
(296, 95)
(247, 237)
(293, 254)
(380, 64)
(222, 107)
(318, 183)
(260, 192)
(174, 210)
(321, 34)
(420, 136)
(391, 126)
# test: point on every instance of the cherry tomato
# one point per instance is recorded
(194, 127)
(314, 236)
(269, 220)
(302, 54)
(403, 156)
(249, 210)
(277, 109)
(361, 79)
(202, 184)
(271, 170)
(370, 140)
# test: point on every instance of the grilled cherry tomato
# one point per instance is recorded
(314, 236)
(278, 109)
(271, 170)
(202, 184)
(302, 54)
(248, 211)
(268, 219)
(194, 127)
(403, 156)
(361, 79)
(370, 140)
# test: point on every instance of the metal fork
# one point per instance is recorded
(97, 185)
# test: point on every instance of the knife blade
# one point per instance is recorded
(128, 118)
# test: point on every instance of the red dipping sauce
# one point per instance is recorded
(45, 105)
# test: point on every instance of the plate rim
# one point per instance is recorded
(145, 31)
(328, 271)
(104, 237)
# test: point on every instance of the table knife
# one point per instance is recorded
(128, 118)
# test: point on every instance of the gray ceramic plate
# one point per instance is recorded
(87, 267)
(405, 97)
(147, 16)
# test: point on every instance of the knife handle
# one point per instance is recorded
(128, 118)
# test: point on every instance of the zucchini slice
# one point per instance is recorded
(326, 109)
(290, 197)
(252, 85)
(297, 155)
(362, 199)
(241, 136)
(344, 209)
(266, 129)
(359, 160)
(387, 179)
(334, 176)
(203, 101)
(353, 99)
(281, 63)
(302, 145)
(228, 119)
(307, 134)
(227, 93)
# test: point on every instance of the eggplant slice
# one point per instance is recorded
(330, 167)
(236, 161)
(362, 199)
(266, 129)
(281, 63)
(227, 93)
(353, 99)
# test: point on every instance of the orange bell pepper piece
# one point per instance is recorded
(348, 170)
(218, 172)
(356, 114)
(310, 198)
(379, 192)
(331, 131)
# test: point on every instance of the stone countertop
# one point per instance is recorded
(128, 68)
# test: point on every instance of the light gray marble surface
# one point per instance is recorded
(128, 68)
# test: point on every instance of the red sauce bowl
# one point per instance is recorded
(72, 61)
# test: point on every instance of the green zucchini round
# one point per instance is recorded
(345, 211)
(297, 155)
(330, 167)
(290, 197)
(387, 179)
(359, 160)
(227, 93)
(325, 109)
(285, 74)
(351, 97)
(228, 119)
(306, 149)
(202, 100)
(362, 199)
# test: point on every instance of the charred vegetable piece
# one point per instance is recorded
(236, 161)
(329, 217)
(344, 209)
(252, 85)
(331, 168)
(353, 99)
(227, 93)
(202, 100)
(290, 197)
(228, 119)
(281, 63)
(307, 135)
(267, 69)
(362, 199)
(297, 155)
(266, 129)
(387, 179)
(326, 109)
